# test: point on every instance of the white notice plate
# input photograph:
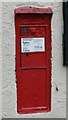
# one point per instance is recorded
(33, 44)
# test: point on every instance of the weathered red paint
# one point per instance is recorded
(33, 72)
(33, 10)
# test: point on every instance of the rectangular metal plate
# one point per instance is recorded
(33, 44)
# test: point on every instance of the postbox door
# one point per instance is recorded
(33, 72)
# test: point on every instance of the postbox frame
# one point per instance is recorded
(41, 11)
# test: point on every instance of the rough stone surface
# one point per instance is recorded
(58, 99)
(0, 60)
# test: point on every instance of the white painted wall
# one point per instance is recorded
(58, 104)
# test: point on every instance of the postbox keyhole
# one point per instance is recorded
(27, 54)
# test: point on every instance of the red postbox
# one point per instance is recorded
(33, 59)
